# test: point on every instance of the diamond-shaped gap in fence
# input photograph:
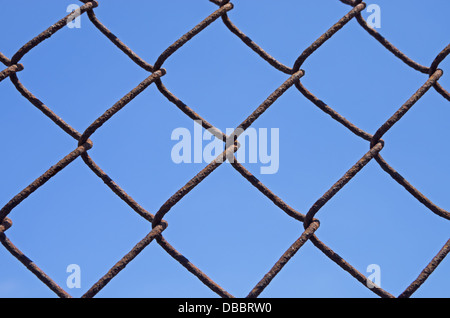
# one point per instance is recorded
(235, 227)
(314, 151)
(361, 223)
(201, 79)
(285, 39)
(155, 274)
(135, 148)
(311, 274)
(80, 228)
(360, 100)
(155, 19)
(79, 98)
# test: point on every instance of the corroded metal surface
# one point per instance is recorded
(310, 223)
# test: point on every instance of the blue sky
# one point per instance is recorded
(225, 226)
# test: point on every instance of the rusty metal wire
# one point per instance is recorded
(310, 223)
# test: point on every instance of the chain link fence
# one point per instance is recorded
(295, 73)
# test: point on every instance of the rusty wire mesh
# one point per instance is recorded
(295, 73)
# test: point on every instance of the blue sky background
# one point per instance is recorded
(225, 226)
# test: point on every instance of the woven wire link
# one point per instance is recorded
(310, 223)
